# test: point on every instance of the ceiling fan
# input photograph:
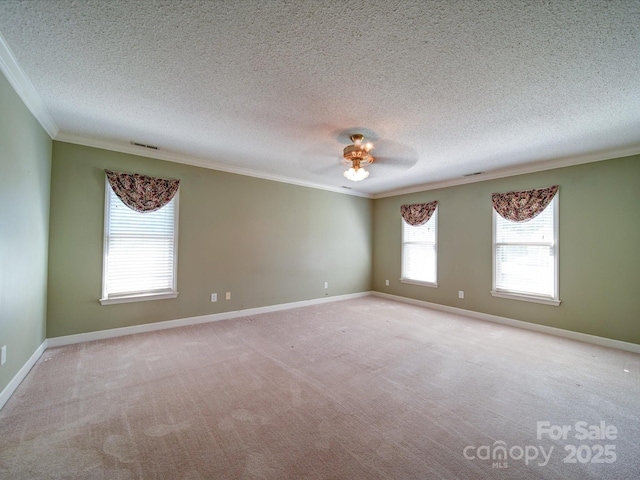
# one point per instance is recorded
(390, 157)
(358, 156)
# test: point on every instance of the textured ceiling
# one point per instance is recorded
(273, 88)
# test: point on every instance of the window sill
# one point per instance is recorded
(526, 298)
(138, 298)
(418, 282)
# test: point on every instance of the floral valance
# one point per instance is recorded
(523, 206)
(418, 213)
(140, 192)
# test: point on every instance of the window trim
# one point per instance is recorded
(144, 296)
(411, 281)
(529, 297)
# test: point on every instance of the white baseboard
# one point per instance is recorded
(214, 317)
(558, 332)
(118, 332)
(20, 376)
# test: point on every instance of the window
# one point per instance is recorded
(420, 252)
(139, 252)
(525, 257)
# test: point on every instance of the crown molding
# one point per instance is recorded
(501, 173)
(196, 162)
(520, 170)
(25, 89)
(27, 92)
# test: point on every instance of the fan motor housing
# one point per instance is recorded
(357, 152)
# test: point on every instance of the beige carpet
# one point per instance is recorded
(357, 389)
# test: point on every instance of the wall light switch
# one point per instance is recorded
(3, 355)
(228, 296)
(460, 294)
(386, 282)
(326, 284)
(214, 297)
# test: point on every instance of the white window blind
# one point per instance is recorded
(526, 255)
(139, 252)
(419, 251)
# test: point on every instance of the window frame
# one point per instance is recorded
(107, 299)
(403, 279)
(555, 245)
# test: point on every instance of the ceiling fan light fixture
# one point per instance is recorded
(358, 156)
(356, 174)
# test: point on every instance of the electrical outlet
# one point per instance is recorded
(227, 296)
(460, 294)
(326, 284)
(3, 355)
(214, 297)
(386, 282)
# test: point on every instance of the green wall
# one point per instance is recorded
(266, 242)
(271, 243)
(25, 165)
(599, 248)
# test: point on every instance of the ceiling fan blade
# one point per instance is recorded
(320, 159)
(327, 169)
(394, 155)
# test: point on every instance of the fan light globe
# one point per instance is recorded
(356, 174)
